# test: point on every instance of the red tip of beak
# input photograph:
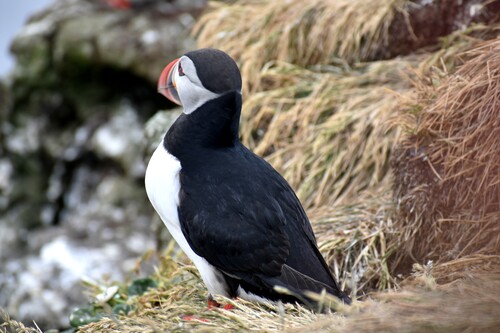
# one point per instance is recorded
(166, 83)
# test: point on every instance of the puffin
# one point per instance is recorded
(235, 217)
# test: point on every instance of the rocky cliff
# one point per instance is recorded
(73, 147)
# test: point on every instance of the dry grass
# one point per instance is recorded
(464, 267)
(354, 240)
(178, 305)
(324, 131)
(299, 32)
(447, 170)
(467, 306)
(326, 128)
(9, 325)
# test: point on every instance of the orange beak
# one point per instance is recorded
(166, 82)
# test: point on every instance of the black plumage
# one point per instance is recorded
(238, 213)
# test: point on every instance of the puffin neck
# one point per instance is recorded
(215, 124)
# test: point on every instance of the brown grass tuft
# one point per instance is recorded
(447, 169)
(8, 325)
(464, 267)
(354, 241)
(470, 305)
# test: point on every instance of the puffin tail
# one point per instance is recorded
(297, 285)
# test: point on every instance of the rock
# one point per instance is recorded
(157, 126)
(111, 141)
(423, 22)
(44, 287)
(73, 149)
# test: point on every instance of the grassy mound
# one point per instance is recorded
(467, 306)
(448, 165)
(178, 304)
(421, 305)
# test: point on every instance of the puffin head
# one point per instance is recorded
(199, 76)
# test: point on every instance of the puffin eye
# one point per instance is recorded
(180, 70)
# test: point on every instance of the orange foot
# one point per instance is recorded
(212, 303)
(228, 306)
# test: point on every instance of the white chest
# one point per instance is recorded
(163, 186)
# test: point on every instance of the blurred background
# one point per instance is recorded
(78, 83)
(382, 115)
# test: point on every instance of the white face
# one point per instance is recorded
(191, 91)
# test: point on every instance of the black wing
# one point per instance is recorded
(248, 223)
